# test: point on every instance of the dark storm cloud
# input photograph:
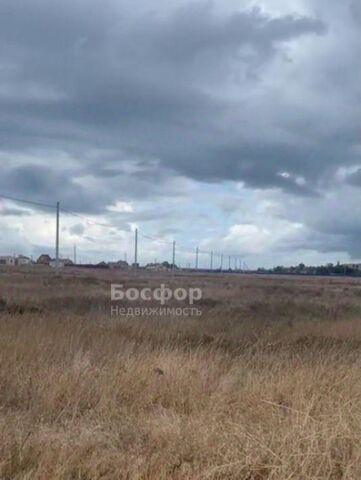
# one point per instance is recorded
(260, 165)
(194, 32)
(46, 185)
(78, 76)
(325, 243)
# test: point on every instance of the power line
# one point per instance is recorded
(28, 202)
(153, 239)
(115, 229)
(204, 252)
(88, 220)
(189, 250)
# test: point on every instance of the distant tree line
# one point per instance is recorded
(302, 269)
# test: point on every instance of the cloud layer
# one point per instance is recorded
(101, 102)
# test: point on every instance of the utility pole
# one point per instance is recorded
(173, 256)
(211, 260)
(197, 254)
(222, 262)
(229, 262)
(57, 236)
(136, 249)
(74, 254)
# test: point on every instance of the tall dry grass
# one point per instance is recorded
(265, 385)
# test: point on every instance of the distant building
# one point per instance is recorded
(67, 262)
(159, 267)
(7, 260)
(121, 264)
(61, 263)
(102, 265)
(44, 259)
(353, 266)
(23, 260)
(155, 267)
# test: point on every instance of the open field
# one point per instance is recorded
(266, 384)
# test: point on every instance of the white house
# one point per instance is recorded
(22, 260)
(157, 267)
(61, 263)
(7, 260)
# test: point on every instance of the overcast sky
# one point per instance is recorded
(231, 125)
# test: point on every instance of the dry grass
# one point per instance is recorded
(265, 385)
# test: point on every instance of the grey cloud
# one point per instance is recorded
(140, 85)
(331, 222)
(140, 101)
(163, 232)
(77, 229)
(195, 31)
(13, 212)
(356, 11)
(354, 178)
(146, 215)
(327, 243)
(90, 239)
(46, 185)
